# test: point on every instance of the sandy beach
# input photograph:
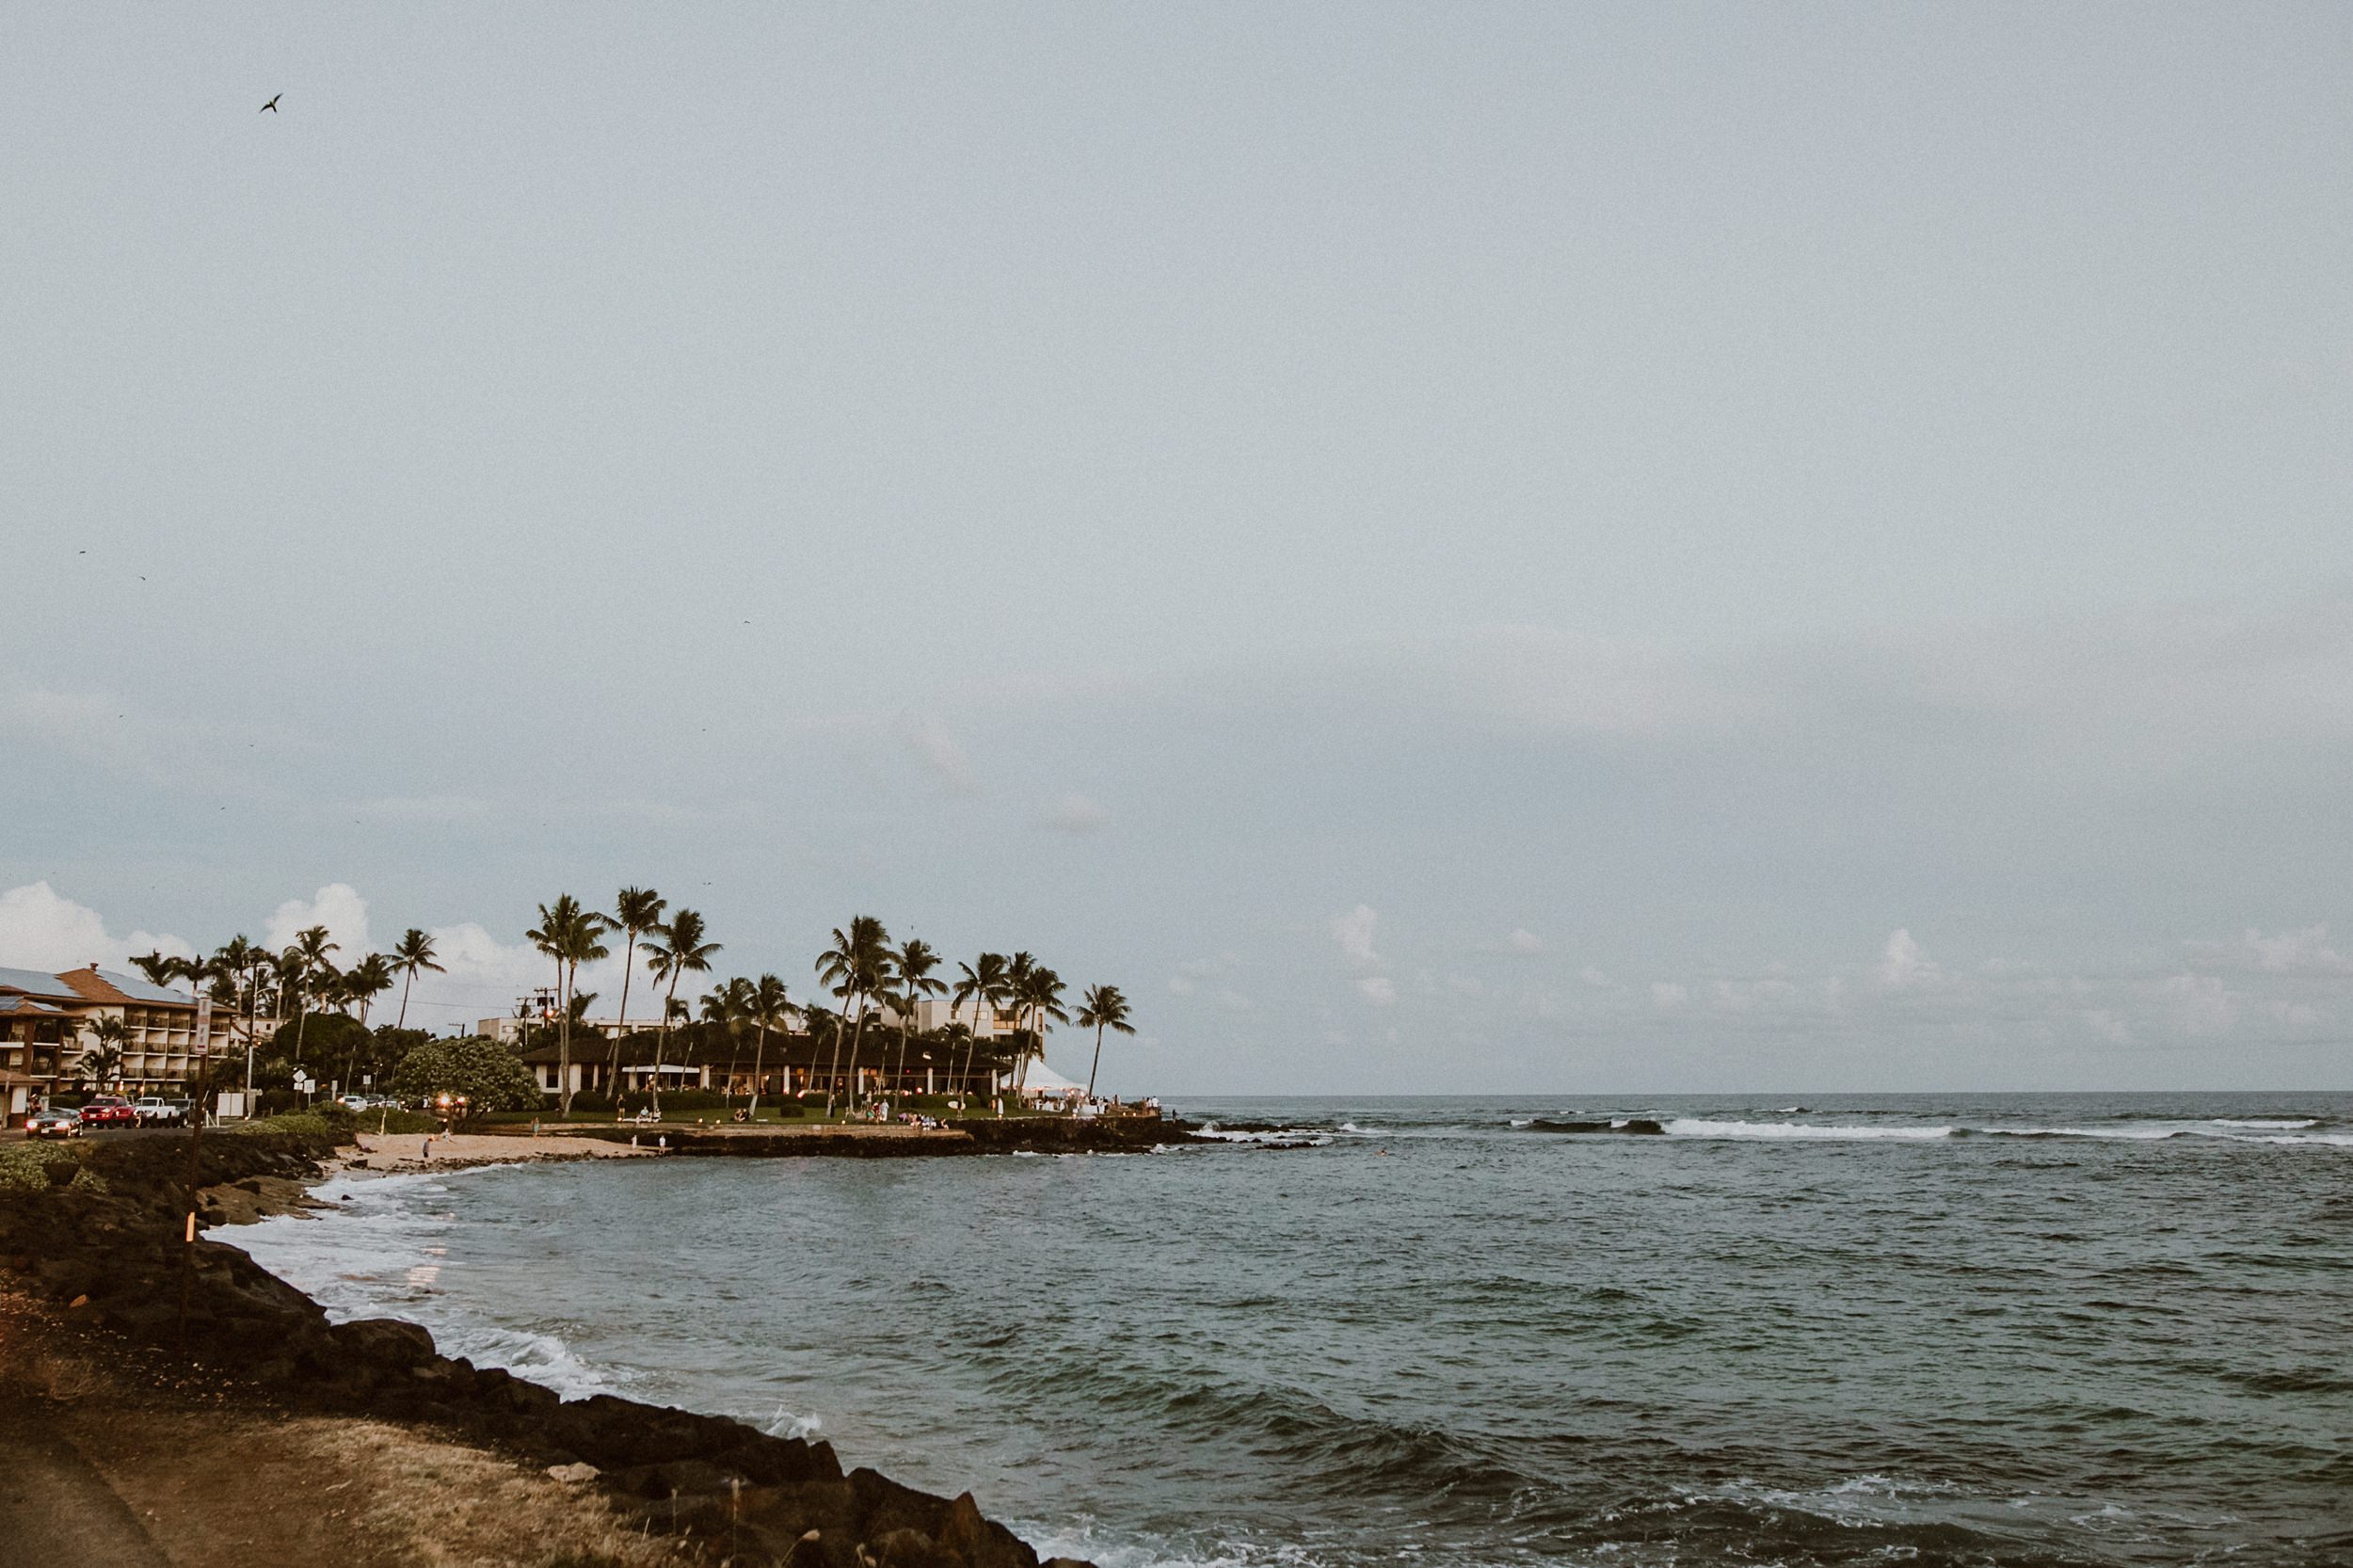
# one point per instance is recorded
(387, 1152)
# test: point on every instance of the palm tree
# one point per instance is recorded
(368, 980)
(818, 1024)
(1009, 994)
(161, 968)
(673, 952)
(856, 966)
(727, 1008)
(300, 968)
(102, 1059)
(983, 982)
(636, 911)
(573, 936)
(412, 953)
(1102, 1008)
(914, 962)
(1039, 995)
(769, 1008)
(357, 987)
(252, 962)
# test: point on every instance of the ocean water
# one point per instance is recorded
(1999, 1328)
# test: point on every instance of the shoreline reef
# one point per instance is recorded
(117, 1331)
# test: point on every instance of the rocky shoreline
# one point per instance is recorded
(104, 1247)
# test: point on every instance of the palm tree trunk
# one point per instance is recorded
(1097, 1061)
(563, 1045)
(302, 1018)
(402, 1022)
(760, 1058)
(620, 1032)
(857, 1043)
(834, 1072)
(963, 1080)
(563, 1041)
(661, 1044)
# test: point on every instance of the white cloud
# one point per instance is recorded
(2305, 951)
(1903, 962)
(41, 929)
(2200, 1005)
(1744, 996)
(937, 752)
(1230, 999)
(1524, 942)
(337, 906)
(1075, 814)
(2296, 1016)
(1354, 932)
(1667, 994)
(1594, 977)
(2108, 1025)
(1378, 989)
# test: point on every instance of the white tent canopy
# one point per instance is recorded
(1043, 1079)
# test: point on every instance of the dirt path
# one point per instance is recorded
(54, 1507)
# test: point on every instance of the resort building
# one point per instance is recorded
(44, 1029)
(512, 1030)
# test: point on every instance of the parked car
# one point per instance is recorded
(354, 1103)
(155, 1111)
(56, 1121)
(109, 1110)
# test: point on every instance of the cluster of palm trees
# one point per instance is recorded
(299, 980)
(874, 980)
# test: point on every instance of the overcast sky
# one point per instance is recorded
(1490, 548)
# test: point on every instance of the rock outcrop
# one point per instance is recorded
(116, 1261)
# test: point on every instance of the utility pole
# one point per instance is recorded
(195, 1132)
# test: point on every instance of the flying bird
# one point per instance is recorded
(271, 107)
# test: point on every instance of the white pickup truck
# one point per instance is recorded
(155, 1111)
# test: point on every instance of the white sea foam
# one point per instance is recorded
(1287, 1136)
(784, 1423)
(1687, 1126)
(2268, 1124)
(378, 1253)
(2135, 1132)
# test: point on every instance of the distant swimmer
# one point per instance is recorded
(271, 107)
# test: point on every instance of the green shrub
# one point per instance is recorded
(26, 1168)
(692, 1099)
(302, 1124)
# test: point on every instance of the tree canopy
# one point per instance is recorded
(486, 1072)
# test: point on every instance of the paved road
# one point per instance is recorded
(54, 1508)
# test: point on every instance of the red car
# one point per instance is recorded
(109, 1110)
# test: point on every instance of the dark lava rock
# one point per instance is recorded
(760, 1498)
